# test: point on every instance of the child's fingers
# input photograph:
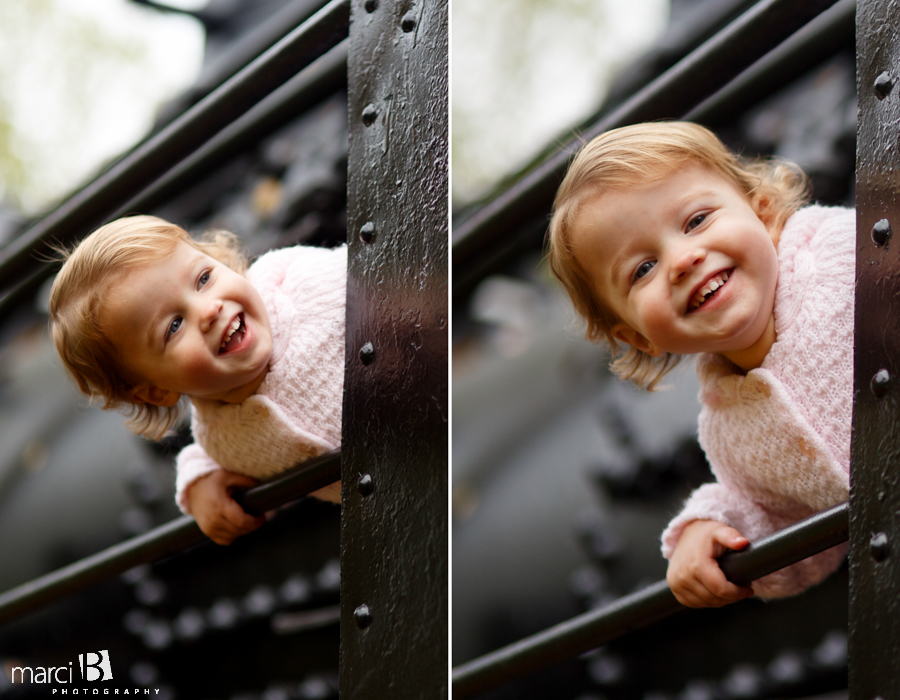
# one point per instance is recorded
(699, 596)
(240, 520)
(729, 538)
(716, 594)
(234, 481)
(705, 586)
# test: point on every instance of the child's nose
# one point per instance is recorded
(209, 313)
(684, 261)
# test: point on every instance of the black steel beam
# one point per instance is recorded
(394, 529)
(696, 77)
(874, 664)
(123, 180)
(163, 541)
(591, 630)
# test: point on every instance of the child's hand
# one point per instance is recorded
(694, 574)
(216, 512)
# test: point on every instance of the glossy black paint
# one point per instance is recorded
(394, 540)
(874, 495)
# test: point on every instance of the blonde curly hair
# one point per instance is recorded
(645, 153)
(82, 286)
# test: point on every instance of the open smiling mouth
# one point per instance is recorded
(234, 335)
(708, 290)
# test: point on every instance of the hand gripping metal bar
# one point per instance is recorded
(632, 612)
(164, 541)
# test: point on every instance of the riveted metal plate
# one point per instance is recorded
(875, 475)
(394, 534)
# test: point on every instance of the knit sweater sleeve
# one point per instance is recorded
(191, 464)
(718, 502)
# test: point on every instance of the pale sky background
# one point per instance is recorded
(524, 72)
(80, 82)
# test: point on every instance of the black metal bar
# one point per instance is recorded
(697, 76)
(158, 154)
(823, 37)
(163, 541)
(305, 90)
(598, 627)
(239, 54)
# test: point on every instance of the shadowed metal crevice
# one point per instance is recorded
(596, 628)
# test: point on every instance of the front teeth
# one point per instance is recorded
(708, 289)
(234, 326)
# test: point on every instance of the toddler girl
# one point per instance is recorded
(670, 245)
(142, 314)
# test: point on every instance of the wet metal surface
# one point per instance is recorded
(875, 499)
(394, 538)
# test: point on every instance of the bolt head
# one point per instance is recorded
(881, 232)
(880, 383)
(369, 114)
(363, 616)
(367, 354)
(367, 232)
(879, 546)
(366, 484)
(884, 83)
(408, 23)
(371, 5)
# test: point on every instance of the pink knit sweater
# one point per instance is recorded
(296, 412)
(778, 439)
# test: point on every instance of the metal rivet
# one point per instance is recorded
(884, 83)
(371, 5)
(881, 231)
(408, 23)
(367, 354)
(369, 114)
(365, 484)
(879, 546)
(363, 616)
(880, 382)
(367, 232)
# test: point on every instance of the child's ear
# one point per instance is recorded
(762, 205)
(147, 393)
(627, 334)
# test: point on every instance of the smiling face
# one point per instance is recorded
(684, 262)
(188, 324)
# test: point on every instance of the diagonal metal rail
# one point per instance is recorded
(152, 159)
(479, 241)
(598, 627)
(164, 541)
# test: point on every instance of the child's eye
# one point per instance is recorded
(204, 278)
(173, 327)
(643, 269)
(696, 221)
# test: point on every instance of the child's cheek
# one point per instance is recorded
(655, 318)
